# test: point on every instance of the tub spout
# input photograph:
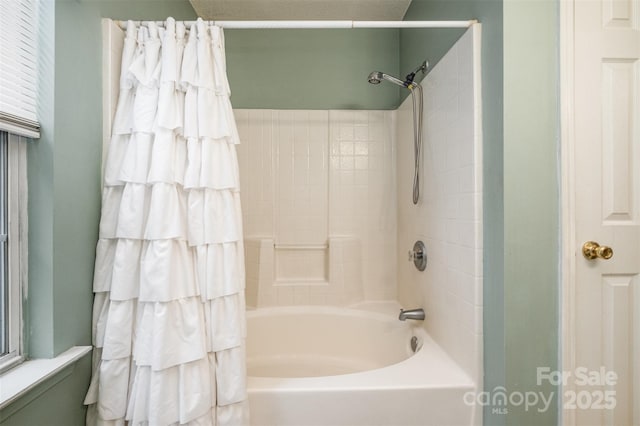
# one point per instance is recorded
(412, 314)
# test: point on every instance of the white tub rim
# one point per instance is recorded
(430, 367)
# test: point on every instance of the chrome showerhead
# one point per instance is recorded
(376, 77)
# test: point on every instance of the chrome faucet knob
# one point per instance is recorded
(415, 255)
(418, 256)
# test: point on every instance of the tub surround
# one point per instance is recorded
(448, 217)
(348, 175)
(316, 191)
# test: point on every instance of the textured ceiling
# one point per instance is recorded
(360, 10)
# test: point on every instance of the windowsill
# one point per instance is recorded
(21, 379)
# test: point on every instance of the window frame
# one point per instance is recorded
(14, 175)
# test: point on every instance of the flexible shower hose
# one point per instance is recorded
(417, 137)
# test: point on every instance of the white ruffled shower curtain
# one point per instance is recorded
(169, 310)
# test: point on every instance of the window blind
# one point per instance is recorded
(19, 67)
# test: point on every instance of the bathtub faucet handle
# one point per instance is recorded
(412, 255)
(418, 255)
(412, 314)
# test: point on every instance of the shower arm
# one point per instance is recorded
(394, 80)
(409, 78)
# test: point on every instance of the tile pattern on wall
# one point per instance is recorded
(301, 196)
(448, 217)
(256, 162)
(362, 193)
(317, 187)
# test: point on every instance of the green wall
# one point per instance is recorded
(520, 143)
(311, 69)
(64, 196)
(531, 193)
(55, 402)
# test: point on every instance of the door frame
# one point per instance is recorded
(567, 259)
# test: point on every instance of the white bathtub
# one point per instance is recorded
(334, 366)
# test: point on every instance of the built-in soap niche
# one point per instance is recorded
(301, 264)
(280, 275)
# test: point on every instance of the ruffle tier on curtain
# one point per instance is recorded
(169, 310)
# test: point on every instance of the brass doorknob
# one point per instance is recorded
(592, 250)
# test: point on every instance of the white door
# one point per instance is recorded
(601, 328)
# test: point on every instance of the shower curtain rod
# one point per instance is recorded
(322, 24)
